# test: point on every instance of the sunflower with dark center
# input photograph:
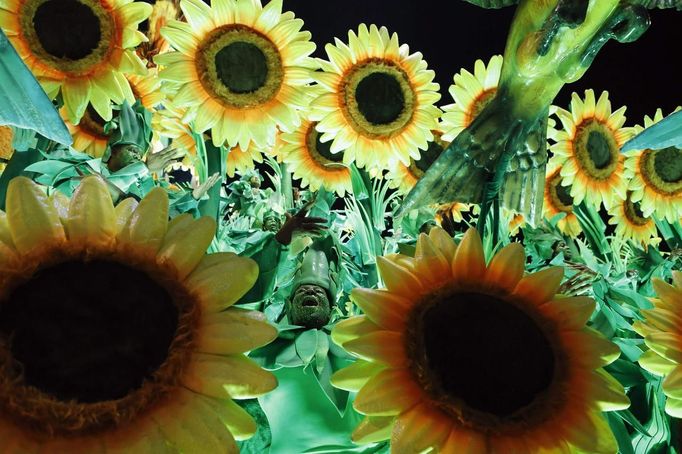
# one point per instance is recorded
(88, 135)
(458, 356)
(588, 149)
(632, 224)
(239, 160)
(88, 66)
(377, 103)
(557, 200)
(655, 177)
(311, 161)
(661, 331)
(116, 332)
(240, 68)
(404, 178)
(471, 93)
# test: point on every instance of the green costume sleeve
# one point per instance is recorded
(268, 254)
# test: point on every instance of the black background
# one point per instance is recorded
(452, 34)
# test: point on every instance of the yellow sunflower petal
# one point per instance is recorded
(352, 328)
(193, 428)
(354, 377)
(390, 392)
(234, 331)
(540, 286)
(465, 441)
(91, 212)
(397, 278)
(593, 434)
(469, 263)
(373, 429)
(33, 221)
(608, 393)
(655, 363)
(221, 279)
(420, 428)
(382, 346)
(185, 245)
(574, 311)
(507, 267)
(122, 213)
(228, 377)
(674, 407)
(147, 225)
(237, 420)
(386, 309)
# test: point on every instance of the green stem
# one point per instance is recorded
(215, 163)
(287, 187)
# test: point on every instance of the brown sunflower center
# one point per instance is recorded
(668, 164)
(71, 348)
(563, 193)
(240, 67)
(67, 29)
(378, 98)
(633, 212)
(596, 149)
(69, 35)
(662, 170)
(93, 123)
(321, 151)
(87, 343)
(480, 357)
(477, 106)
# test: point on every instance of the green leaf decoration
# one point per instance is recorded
(666, 133)
(23, 103)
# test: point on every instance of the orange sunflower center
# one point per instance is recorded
(633, 213)
(560, 195)
(320, 151)
(240, 67)
(93, 123)
(87, 343)
(662, 170)
(596, 149)
(377, 98)
(482, 359)
(478, 104)
(69, 35)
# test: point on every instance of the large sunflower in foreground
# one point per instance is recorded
(471, 92)
(588, 149)
(661, 329)
(242, 67)
(463, 357)
(116, 332)
(240, 161)
(378, 100)
(311, 160)
(631, 223)
(558, 200)
(655, 177)
(82, 48)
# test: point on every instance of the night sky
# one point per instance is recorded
(452, 34)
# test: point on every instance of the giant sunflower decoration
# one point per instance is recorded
(558, 200)
(116, 332)
(471, 92)
(404, 177)
(240, 67)
(655, 177)
(240, 161)
(463, 357)
(661, 331)
(588, 149)
(147, 89)
(378, 100)
(631, 223)
(81, 48)
(88, 135)
(311, 161)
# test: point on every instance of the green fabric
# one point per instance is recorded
(303, 420)
(23, 103)
(268, 254)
